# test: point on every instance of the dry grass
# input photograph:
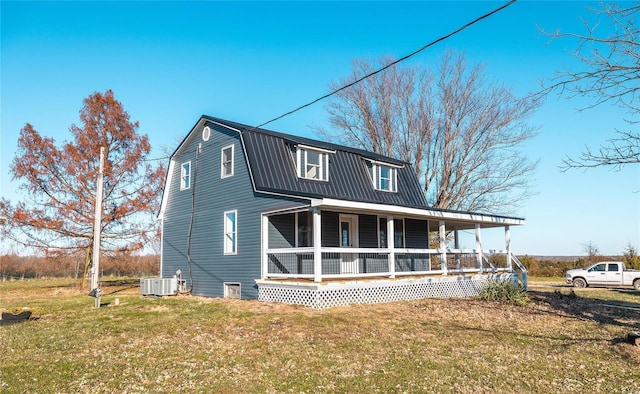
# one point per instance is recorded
(561, 342)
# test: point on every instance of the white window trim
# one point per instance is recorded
(404, 231)
(206, 133)
(301, 162)
(182, 176)
(393, 180)
(355, 230)
(375, 174)
(226, 289)
(225, 232)
(297, 235)
(377, 177)
(378, 229)
(222, 174)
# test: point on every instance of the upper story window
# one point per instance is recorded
(312, 163)
(185, 176)
(383, 176)
(226, 162)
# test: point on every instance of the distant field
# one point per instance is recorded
(563, 342)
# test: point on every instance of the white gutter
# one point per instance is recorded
(417, 212)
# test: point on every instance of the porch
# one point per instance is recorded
(354, 263)
(354, 248)
(333, 293)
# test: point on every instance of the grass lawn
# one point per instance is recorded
(562, 342)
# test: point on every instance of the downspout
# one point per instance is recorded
(191, 219)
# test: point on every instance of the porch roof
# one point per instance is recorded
(455, 220)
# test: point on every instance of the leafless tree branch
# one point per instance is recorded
(462, 135)
(609, 50)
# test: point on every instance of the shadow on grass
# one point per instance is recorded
(109, 282)
(624, 314)
(631, 293)
(566, 340)
(120, 289)
(69, 285)
(120, 282)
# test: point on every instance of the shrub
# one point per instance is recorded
(506, 291)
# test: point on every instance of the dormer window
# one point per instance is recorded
(312, 163)
(383, 176)
(386, 178)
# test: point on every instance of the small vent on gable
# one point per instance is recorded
(206, 133)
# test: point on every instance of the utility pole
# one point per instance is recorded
(95, 290)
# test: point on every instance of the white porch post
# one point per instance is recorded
(507, 242)
(317, 252)
(478, 247)
(443, 247)
(391, 245)
(456, 242)
(265, 246)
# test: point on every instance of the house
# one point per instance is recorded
(256, 214)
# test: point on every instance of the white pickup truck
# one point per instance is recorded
(606, 273)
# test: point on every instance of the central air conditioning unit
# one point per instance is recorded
(159, 286)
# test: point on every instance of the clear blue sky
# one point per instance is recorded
(170, 62)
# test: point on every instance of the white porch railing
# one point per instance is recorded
(368, 262)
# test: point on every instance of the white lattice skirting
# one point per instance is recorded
(327, 295)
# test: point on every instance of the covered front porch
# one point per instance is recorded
(363, 246)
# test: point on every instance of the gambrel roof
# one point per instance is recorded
(271, 159)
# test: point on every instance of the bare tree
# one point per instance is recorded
(462, 135)
(610, 55)
(592, 252)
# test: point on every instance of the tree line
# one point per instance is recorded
(549, 267)
(33, 267)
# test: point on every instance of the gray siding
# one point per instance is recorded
(210, 268)
(282, 232)
(368, 231)
(330, 235)
(416, 234)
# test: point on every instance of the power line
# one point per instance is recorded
(458, 30)
(156, 159)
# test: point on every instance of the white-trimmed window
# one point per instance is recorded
(382, 233)
(383, 176)
(231, 232)
(398, 232)
(185, 176)
(312, 163)
(226, 162)
(304, 225)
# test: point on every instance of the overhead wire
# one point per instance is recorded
(442, 38)
(458, 30)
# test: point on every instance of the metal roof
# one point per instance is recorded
(273, 168)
